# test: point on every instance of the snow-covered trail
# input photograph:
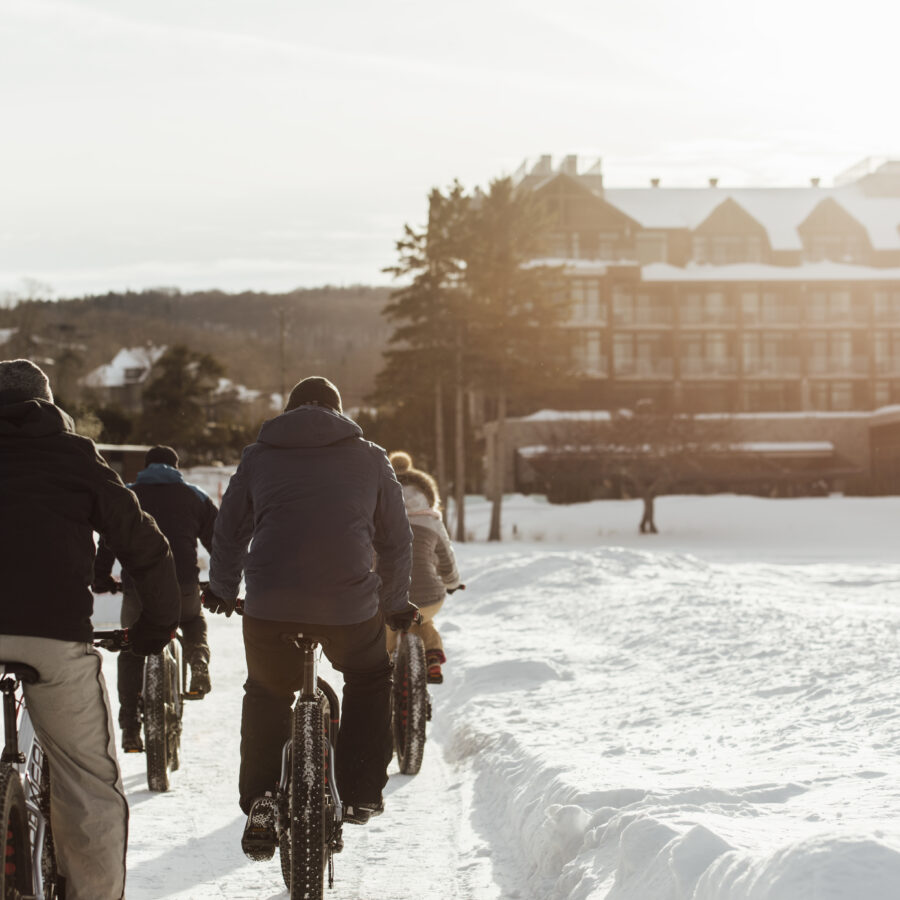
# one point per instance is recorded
(185, 844)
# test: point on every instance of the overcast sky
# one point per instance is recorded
(271, 144)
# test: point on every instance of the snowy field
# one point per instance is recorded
(703, 714)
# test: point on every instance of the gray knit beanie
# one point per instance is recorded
(21, 379)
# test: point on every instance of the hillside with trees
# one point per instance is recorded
(264, 341)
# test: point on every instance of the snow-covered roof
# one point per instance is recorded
(819, 271)
(131, 365)
(552, 415)
(242, 393)
(6, 334)
(780, 211)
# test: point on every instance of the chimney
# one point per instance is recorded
(543, 166)
(569, 165)
(814, 182)
(654, 182)
(713, 182)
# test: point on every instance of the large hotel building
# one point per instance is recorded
(714, 299)
(758, 302)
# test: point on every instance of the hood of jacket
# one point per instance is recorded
(161, 473)
(33, 418)
(308, 426)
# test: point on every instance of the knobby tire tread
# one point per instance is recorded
(155, 724)
(410, 706)
(15, 874)
(307, 803)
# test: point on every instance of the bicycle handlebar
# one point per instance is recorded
(114, 641)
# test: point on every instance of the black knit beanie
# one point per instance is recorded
(315, 390)
(161, 454)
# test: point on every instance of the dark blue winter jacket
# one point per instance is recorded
(316, 503)
(184, 514)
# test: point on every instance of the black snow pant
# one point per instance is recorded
(274, 674)
(131, 668)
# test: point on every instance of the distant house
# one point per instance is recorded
(121, 382)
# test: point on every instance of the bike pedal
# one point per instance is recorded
(197, 695)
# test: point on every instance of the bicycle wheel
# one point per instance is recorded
(53, 882)
(15, 874)
(309, 801)
(410, 703)
(175, 705)
(156, 725)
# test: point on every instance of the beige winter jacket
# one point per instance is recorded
(433, 563)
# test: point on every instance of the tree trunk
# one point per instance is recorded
(459, 476)
(439, 459)
(499, 474)
(648, 526)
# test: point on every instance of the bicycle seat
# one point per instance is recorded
(19, 671)
(297, 637)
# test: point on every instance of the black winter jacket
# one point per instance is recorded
(184, 514)
(319, 503)
(55, 491)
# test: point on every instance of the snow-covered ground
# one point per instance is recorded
(703, 714)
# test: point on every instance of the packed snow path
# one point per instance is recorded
(618, 723)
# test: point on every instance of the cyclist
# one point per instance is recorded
(184, 514)
(319, 502)
(434, 572)
(55, 491)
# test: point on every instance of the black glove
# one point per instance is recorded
(146, 639)
(459, 587)
(217, 605)
(105, 584)
(402, 619)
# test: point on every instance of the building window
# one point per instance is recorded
(645, 355)
(707, 353)
(836, 396)
(592, 361)
(586, 305)
(770, 396)
(770, 353)
(886, 347)
(768, 308)
(835, 247)
(710, 308)
(835, 307)
(887, 306)
(837, 353)
(639, 309)
(727, 249)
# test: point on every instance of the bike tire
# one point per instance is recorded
(410, 703)
(308, 801)
(175, 703)
(156, 724)
(15, 874)
(54, 883)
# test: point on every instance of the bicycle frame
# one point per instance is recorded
(18, 734)
(311, 687)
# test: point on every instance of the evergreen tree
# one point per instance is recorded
(176, 402)
(425, 343)
(515, 311)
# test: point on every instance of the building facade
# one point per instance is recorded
(719, 300)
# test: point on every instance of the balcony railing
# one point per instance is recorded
(782, 367)
(643, 368)
(857, 365)
(702, 366)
